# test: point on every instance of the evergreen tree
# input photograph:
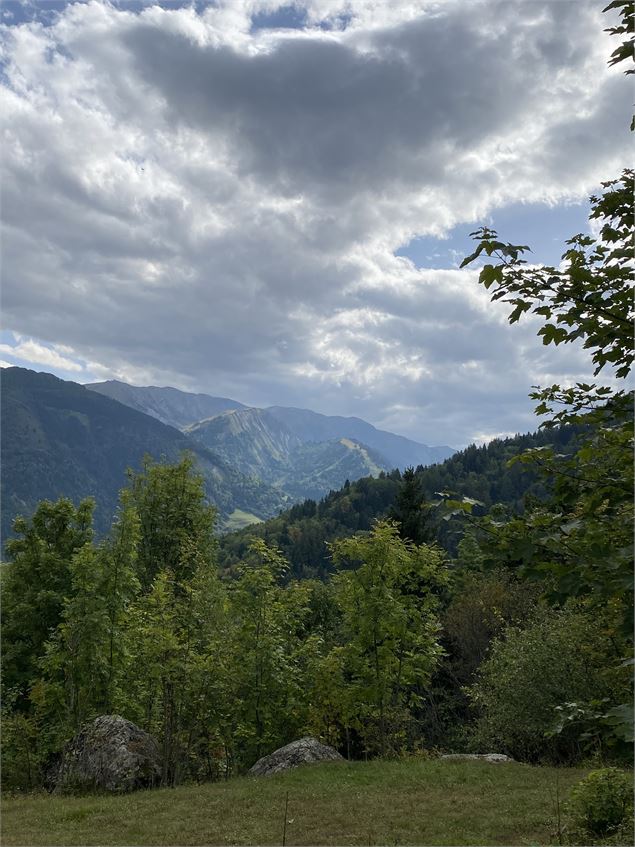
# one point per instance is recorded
(411, 512)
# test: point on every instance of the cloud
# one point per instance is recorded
(189, 200)
(33, 353)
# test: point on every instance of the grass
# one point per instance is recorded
(240, 519)
(410, 802)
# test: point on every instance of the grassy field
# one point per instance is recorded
(411, 802)
(239, 519)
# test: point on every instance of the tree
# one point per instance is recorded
(268, 652)
(174, 518)
(176, 624)
(390, 627)
(543, 688)
(35, 583)
(579, 540)
(411, 512)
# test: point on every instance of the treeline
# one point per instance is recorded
(483, 473)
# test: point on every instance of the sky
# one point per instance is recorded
(270, 201)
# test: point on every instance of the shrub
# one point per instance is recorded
(562, 656)
(602, 804)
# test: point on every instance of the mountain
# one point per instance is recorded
(399, 452)
(169, 405)
(182, 410)
(61, 439)
(254, 441)
(257, 444)
(484, 473)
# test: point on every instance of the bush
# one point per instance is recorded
(562, 656)
(602, 805)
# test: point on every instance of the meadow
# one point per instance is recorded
(413, 801)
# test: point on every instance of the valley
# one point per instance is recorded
(64, 439)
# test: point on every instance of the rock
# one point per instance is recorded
(109, 754)
(302, 752)
(494, 758)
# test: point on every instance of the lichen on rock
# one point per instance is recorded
(109, 754)
(301, 752)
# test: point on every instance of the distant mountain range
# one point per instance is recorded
(61, 438)
(168, 405)
(398, 452)
(256, 443)
(181, 409)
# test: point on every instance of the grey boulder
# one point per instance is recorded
(304, 751)
(494, 758)
(109, 754)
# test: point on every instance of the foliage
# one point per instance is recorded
(483, 605)
(562, 656)
(601, 804)
(302, 532)
(84, 663)
(411, 512)
(174, 519)
(581, 538)
(22, 763)
(389, 604)
(590, 296)
(579, 541)
(35, 582)
(480, 607)
(266, 649)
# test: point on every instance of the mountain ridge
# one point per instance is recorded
(62, 439)
(169, 405)
(305, 424)
(259, 445)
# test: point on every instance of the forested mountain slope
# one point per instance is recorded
(479, 472)
(60, 439)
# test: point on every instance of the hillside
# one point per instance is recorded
(60, 439)
(479, 472)
(257, 444)
(399, 452)
(184, 410)
(169, 405)
(251, 439)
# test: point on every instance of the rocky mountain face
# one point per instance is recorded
(398, 451)
(257, 444)
(251, 439)
(61, 439)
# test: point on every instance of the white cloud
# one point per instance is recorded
(188, 201)
(33, 352)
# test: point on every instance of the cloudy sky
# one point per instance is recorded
(269, 201)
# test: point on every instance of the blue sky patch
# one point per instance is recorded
(544, 228)
(286, 17)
